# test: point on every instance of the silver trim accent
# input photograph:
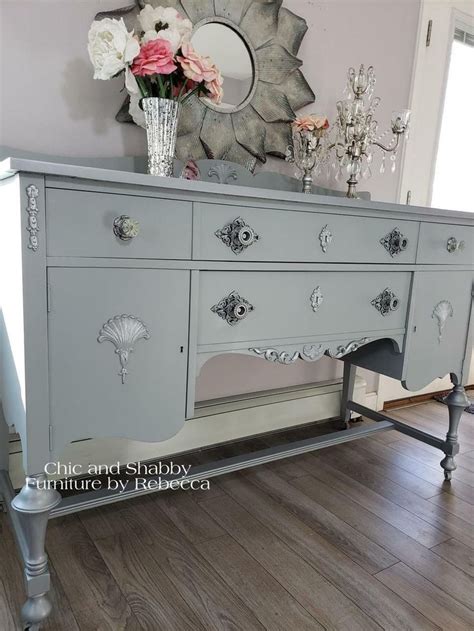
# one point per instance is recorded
(386, 302)
(223, 173)
(237, 235)
(394, 242)
(316, 299)
(325, 238)
(442, 311)
(123, 331)
(32, 209)
(309, 353)
(341, 351)
(232, 308)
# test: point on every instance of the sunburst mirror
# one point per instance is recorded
(255, 44)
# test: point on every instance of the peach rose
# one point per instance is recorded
(155, 57)
(216, 91)
(195, 66)
(311, 123)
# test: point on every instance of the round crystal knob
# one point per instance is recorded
(126, 228)
(453, 245)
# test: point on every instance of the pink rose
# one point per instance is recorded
(195, 66)
(311, 123)
(191, 171)
(216, 91)
(155, 57)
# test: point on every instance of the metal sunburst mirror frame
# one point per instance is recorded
(259, 125)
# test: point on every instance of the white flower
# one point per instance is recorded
(136, 111)
(168, 18)
(111, 47)
(131, 82)
(170, 35)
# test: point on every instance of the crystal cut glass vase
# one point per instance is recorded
(161, 121)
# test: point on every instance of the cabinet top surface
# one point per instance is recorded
(215, 192)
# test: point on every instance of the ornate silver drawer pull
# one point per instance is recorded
(233, 308)
(126, 228)
(386, 302)
(394, 242)
(453, 245)
(237, 235)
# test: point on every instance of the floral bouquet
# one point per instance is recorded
(308, 148)
(157, 58)
(161, 69)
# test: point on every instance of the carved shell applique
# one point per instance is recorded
(441, 313)
(123, 331)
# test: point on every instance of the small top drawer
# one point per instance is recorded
(224, 233)
(117, 226)
(443, 243)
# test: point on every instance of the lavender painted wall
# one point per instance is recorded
(50, 103)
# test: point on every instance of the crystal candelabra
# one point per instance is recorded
(356, 130)
(309, 147)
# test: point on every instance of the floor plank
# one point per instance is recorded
(351, 460)
(270, 602)
(332, 466)
(432, 460)
(358, 547)
(431, 601)
(458, 554)
(155, 603)
(400, 476)
(359, 585)
(399, 458)
(186, 570)
(443, 574)
(455, 505)
(332, 608)
(96, 599)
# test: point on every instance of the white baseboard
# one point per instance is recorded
(216, 422)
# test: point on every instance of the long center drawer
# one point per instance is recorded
(232, 233)
(246, 306)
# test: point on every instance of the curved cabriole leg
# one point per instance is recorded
(457, 402)
(33, 504)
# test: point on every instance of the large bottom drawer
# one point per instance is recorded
(246, 306)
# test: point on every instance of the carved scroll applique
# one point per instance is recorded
(32, 209)
(309, 353)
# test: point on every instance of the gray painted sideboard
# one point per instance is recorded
(117, 287)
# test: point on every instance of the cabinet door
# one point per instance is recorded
(438, 333)
(117, 353)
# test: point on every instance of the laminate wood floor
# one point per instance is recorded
(356, 537)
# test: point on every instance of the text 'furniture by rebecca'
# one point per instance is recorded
(117, 287)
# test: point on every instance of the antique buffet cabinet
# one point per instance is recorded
(117, 287)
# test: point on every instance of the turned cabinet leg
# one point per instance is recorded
(33, 505)
(457, 402)
(347, 391)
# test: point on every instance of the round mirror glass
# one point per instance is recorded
(230, 54)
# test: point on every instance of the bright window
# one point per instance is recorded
(453, 178)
